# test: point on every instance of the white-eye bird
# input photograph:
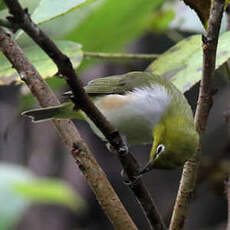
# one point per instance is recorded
(144, 108)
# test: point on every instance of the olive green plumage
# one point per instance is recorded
(143, 107)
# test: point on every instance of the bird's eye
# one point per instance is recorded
(160, 149)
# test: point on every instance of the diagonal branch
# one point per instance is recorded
(189, 175)
(21, 19)
(96, 178)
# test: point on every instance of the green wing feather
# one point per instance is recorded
(117, 84)
(63, 111)
(120, 84)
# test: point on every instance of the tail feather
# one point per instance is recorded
(63, 111)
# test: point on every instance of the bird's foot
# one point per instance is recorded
(110, 148)
(132, 181)
(120, 150)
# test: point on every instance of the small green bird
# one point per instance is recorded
(145, 108)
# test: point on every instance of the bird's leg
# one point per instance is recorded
(69, 95)
(131, 182)
(113, 150)
(110, 148)
(58, 75)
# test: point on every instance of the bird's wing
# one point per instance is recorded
(120, 84)
(62, 111)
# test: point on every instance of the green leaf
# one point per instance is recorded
(49, 9)
(114, 23)
(2, 5)
(41, 61)
(49, 191)
(19, 187)
(67, 21)
(182, 63)
(160, 20)
(15, 206)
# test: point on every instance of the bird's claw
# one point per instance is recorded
(123, 174)
(111, 148)
(127, 182)
(132, 181)
(121, 150)
(68, 94)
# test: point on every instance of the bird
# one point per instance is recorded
(145, 108)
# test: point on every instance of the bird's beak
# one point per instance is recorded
(147, 168)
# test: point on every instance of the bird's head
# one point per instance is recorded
(175, 141)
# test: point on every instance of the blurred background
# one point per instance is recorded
(40, 185)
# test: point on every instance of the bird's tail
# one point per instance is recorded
(63, 111)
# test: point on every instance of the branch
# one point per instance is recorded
(82, 101)
(96, 178)
(228, 16)
(190, 171)
(120, 55)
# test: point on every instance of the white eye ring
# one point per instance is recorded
(160, 149)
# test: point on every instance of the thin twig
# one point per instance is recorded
(228, 17)
(96, 178)
(190, 171)
(120, 55)
(22, 19)
(82, 101)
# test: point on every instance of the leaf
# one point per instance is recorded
(66, 21)
(49, 191)
(182, 63)
(2, 5)
(49, 9)
(41, 61)
(12, 212)
(160, 20)
(114, 23)
(19, 187)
